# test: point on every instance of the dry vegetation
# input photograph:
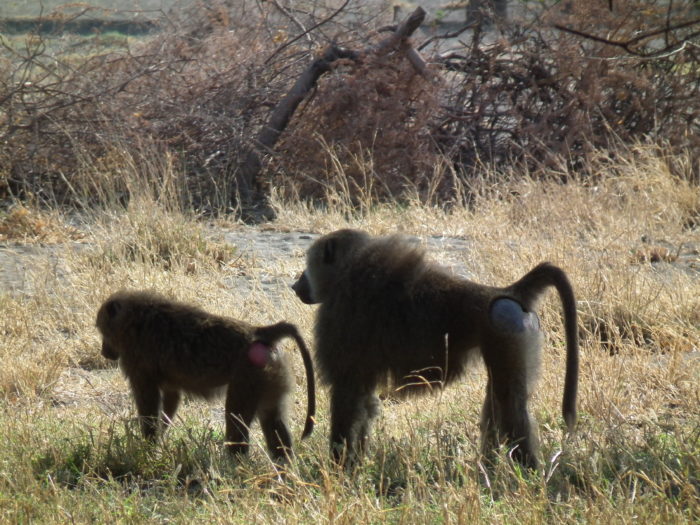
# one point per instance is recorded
(195, 96)
(71, 452)
(111, 160)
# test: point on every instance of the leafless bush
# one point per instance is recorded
(198, 93)
(186, 90)
(544, 96)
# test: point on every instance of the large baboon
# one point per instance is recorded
(386, 314)
(166, 347)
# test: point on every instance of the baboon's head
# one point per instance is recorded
(324, 260)
(107, 322)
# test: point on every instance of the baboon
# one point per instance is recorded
(386, 315)
(166, 347)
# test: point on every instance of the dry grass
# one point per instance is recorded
(71, 453)
(21, 224)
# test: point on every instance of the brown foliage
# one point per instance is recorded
(193, 97)
(365, 130)
(547, 98)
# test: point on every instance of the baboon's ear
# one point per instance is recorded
(113, 307)
(329, 252)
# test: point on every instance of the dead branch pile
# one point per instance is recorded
(549, 98)
(194, 98)
(365, 132)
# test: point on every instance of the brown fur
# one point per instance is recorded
(166, 347)
(386, 314)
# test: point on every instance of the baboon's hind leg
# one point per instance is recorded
(242, 398)
(350, 422)
(276, 432)
(371, 411)
(511, 351)
(505, 419)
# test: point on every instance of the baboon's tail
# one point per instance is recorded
(277, 331)
(528, 289)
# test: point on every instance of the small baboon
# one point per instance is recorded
(166, 347)
(386, 315)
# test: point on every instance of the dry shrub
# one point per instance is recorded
(202, 106)
(30, 339)
(21, 224)
(550, 99)
(195, 96)
(365, 132)
(149, 234)
(193, 91)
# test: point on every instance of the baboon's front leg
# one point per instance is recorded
(147, 398)
(171, 402)
(348, 424)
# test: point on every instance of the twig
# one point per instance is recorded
(628, 45)
(454, 34)
(290, 42)
(304, 31)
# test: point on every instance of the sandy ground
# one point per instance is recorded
(19, 261)
(269, 248)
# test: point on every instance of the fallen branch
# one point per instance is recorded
(629, 45)
(404, 30)
(283, 112)
(399, 39)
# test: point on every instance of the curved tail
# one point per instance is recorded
(274, 333)
(528, 289)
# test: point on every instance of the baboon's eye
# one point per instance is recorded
(112, 308)
(329, 252)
